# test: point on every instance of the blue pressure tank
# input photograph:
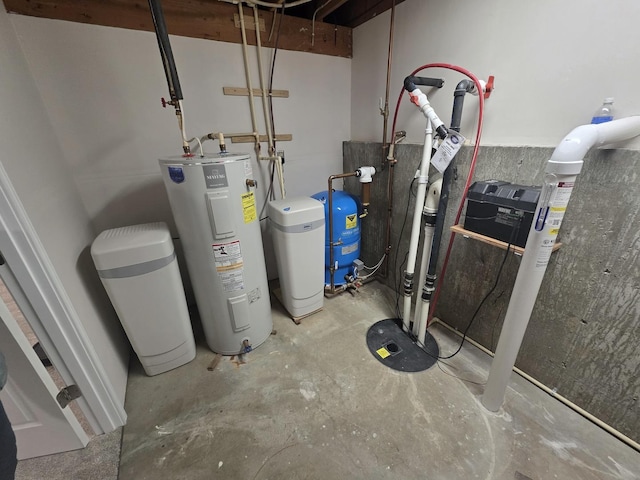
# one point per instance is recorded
(346, 234)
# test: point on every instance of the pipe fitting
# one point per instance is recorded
(422, 102)
(408, 284)
(365, 174)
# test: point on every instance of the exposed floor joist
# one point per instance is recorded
(210, 20)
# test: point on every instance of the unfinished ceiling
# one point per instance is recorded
(347, 13)
(317, 26)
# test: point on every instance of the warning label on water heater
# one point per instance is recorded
(229, 265)
(249, 212)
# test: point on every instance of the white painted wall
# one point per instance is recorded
(102, 88)
(39, 172)
(553, 61)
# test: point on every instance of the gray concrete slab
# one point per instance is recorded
(313, 403)
(583, 335)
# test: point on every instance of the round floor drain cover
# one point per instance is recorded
(391, 346)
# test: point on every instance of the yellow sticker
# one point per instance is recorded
(249, 207)
(558, 209)
(352, 221)
(383, 352)
(554, 231)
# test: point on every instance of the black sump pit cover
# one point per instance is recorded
(393, 347)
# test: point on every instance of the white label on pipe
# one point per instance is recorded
(544, 253)
(563, 192)
(553, 220)
(447, 150)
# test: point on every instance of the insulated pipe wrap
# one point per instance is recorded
(165, 50)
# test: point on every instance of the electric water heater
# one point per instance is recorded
(214, 207)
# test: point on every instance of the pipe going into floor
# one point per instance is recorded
(561, 173)
(608, 428)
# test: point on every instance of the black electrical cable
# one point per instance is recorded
(514, 233)
(269, 191)
(273, 66)
(455, 376)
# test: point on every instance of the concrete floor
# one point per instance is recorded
(313, 403)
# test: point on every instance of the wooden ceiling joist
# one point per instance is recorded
(212, 20)
(329, 8)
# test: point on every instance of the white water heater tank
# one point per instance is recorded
(214, 207)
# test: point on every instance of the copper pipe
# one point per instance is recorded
(385, 112)
(385, 146)
(332, 268)
(387, 247)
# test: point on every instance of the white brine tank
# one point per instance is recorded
(214, 207)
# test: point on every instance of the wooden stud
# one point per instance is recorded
(283, 137)
(244, 92)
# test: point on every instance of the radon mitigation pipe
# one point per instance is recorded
(560, 175)
(551, 391)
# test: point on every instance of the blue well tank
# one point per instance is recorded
(346, 234)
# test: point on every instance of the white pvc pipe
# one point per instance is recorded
(424, 260)
(422, 307)
(427, 242)
(562, 170)
(278, 160)
(423, 178)
(621, 436)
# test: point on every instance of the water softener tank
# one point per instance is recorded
(346, 234)
(214, 208)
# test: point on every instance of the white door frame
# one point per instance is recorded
(51, 314)
(29, 398)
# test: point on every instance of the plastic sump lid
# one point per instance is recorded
(498, 192)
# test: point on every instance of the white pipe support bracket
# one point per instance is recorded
(366, 173)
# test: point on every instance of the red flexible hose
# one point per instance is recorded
(472, 167)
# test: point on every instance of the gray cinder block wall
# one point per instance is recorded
(584, 335)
